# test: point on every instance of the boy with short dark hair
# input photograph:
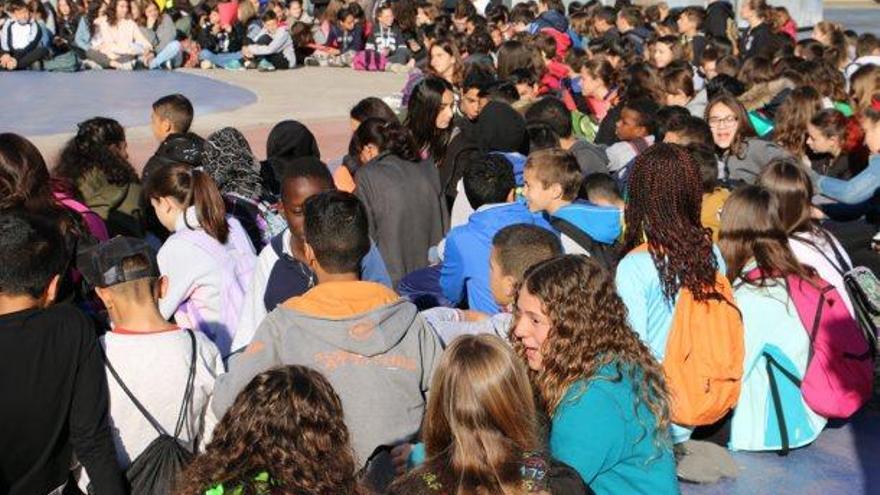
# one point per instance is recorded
(635, 130)
(51, 371)
(370, 344)
(689, 131)
(21, 39)
(591, 158)
(474, 88)
(489, 186)
(273, 47)
(154, 359)
(552, 181)
(515, 248)
(601, 189)
(172, 114)
(282, 270)
(631, 25)
(690, 24)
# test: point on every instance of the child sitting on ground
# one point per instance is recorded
(21, 39)
(273, 48)
(635, 129)
(387, 38)
(489, 185)
(345, 39)
(514, 249)
(149, 360)
(552, 181)
(372, 346)
(282, 269)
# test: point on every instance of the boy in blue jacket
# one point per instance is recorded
(489, 186)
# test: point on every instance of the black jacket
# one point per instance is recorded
(223, 42)
(55, 403)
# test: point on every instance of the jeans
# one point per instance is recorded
(219, 59)
(856, 190)
(170, 52)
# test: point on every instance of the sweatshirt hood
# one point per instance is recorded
(602, 223)
(363, 318)
(489, 219)
(553, 19)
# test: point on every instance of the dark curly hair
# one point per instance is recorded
(663, 208)
(96, 146)
(589, 329)
(287, 422)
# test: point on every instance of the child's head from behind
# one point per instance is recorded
(791, 184)
(601, 189)
(553, 112)
(337, 233)
(489, 181)
(302, 179)
(708, 163)
(688, 131)
(172, 189)
(125, 275)
(552, 179)
(171, 114)
(34, 257)
(481, 413)
(515, 248)
(637, 119)
(283, 423)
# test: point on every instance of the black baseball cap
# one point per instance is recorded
(101, 264)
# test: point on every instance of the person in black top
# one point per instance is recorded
(759, 35)
(55, 401)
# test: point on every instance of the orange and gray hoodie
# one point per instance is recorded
(372, 346)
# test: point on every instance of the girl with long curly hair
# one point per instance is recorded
(756, 248)
(94, 165)
(480, 430)
(595, 379)
(284, 434)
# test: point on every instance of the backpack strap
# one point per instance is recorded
(777, 399)
(187, 395)
(577, 235)
(841, 266)
(277, 244)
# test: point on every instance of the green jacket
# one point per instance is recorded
(118, 205)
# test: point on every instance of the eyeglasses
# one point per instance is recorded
(722, 122)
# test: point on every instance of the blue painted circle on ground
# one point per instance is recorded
(41, 103)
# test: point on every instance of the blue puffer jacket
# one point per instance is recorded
(550, 19)
(468, 247)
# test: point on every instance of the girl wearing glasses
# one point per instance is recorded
(743, 153)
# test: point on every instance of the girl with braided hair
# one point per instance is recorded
(94, 166)
(663, 213)
(284, 434)
(604, 392)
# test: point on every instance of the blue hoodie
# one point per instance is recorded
(602, 223)
(468, 248)
(550, 19)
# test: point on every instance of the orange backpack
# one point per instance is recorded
(704, 356)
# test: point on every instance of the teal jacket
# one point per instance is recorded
(612, 445)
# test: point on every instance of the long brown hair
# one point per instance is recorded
(795, 112)
(191, 187)
(589, 329)
(24, 177)
(791, 185)
(480, 418)
(751, 230)
(288, 423)
(663, 209)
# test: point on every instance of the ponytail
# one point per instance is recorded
(387, 136)
(210, 209)
(192, 187)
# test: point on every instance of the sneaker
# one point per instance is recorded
(126, 66)
(207, 64)
(91, 65)
(265, 66)
(168, 65)
(311, 62)
(250, 64)
(233, 65)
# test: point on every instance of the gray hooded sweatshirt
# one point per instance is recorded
(379, 362)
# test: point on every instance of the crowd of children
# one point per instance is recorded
(595, 250)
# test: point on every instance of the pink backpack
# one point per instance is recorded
(840, 374)
(237, 267)
(369, 60)
(92, 220)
